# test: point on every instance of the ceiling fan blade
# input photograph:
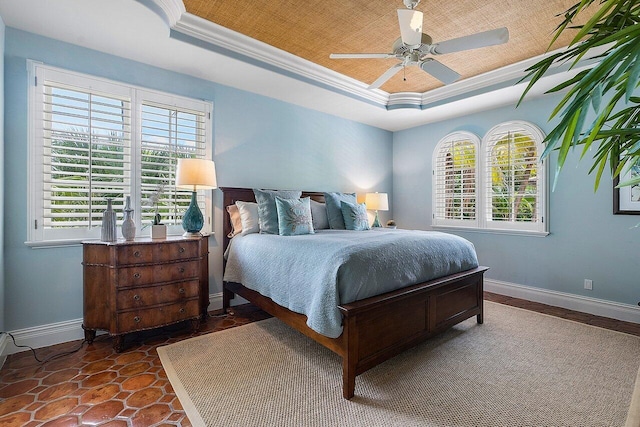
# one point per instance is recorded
(474, 41)
(360, 55)
(410, 26)
(440, 71)
(386, 76)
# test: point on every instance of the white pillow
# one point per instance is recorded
(248, 217)
(319, 215)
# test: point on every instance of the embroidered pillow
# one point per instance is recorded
(248, 217)
(355, 216)
(294, 216)
(236, 222)
(319, 215)
(267, 212)
(334, 210)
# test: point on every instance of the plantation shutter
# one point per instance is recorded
(454, 183)
(93, 139)
(86, 155)
(168, 133)
(512, 174)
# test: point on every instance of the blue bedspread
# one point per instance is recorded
(313, 274)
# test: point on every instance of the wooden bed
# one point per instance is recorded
(377, 328)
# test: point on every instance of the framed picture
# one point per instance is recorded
(626, 200)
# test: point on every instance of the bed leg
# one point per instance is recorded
(480, 319)
(227, 296)
(348, 380)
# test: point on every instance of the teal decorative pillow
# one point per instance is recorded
(294, 216)
(355, 216)
(334, 210)
(267, 211)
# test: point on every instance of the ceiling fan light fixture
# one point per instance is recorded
(410, 26)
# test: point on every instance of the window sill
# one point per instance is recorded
(528, 233)
(49, 244)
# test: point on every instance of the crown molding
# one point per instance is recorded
(206, 34)
(238, 46)
(169, 10)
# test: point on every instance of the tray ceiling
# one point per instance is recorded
(313, 30)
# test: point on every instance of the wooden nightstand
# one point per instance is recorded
(144, 284)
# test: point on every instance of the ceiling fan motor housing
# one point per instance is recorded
(400, 49)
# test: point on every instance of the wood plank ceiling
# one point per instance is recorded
(314, 29)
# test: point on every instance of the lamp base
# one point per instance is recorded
(376, 222)
(192, 221)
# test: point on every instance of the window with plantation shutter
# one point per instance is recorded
(87, 155)
(93, 139)
(496, 184)
(167, 135)
(454, 180)
(514, 177)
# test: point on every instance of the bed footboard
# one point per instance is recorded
(381, 327)
(378, 328)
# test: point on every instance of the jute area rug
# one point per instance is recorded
(519, 368)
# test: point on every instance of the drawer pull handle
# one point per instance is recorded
(181, 269)
(136, 319)
(136, 297)
(137, 254)
(182, 310)
(181, 290)
(137, 275)
(181, 249)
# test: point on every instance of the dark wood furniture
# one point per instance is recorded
(144, 284)
(377, 328)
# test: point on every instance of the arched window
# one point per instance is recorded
(455, 169)
(514, 177)
(498, 184)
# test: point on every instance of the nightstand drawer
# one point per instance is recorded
(176, 271)
(176, 251)
(135, 320)
(153, 295)
(135, 276)
(135, 254)
(168, 272)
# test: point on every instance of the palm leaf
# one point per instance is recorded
(612, 81)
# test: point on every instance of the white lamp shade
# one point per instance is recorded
(410, 26)
(377, 201)
(196, 173)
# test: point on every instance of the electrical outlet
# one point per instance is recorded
(588, 284)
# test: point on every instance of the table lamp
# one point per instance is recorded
(377, 202)
(195, 174)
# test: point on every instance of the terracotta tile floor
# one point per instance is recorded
(97, 386)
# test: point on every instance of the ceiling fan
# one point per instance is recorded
(414, 47)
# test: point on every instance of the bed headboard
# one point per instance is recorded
(230, 195)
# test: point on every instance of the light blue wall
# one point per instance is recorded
(586, 240)
(258, 142)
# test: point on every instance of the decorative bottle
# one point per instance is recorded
(128, 226)
(109, 224)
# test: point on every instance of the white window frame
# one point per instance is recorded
(484, 223)
(438, 216)
(38, 74)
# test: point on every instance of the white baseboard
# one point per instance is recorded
(58, 333)
(598, 307)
